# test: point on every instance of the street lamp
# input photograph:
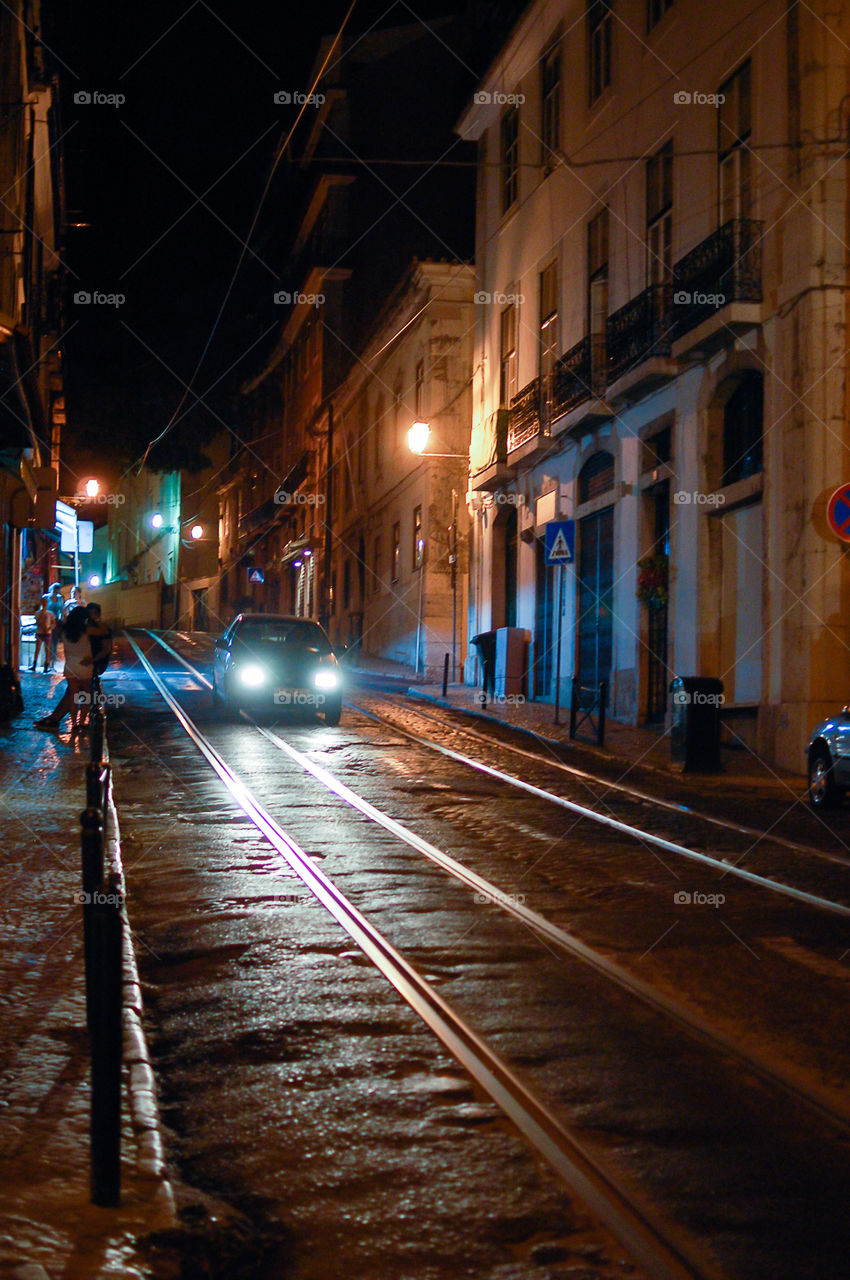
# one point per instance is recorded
(197, 531)
(157, 520)
(417, 438)
(92, 488)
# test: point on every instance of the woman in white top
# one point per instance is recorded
(78, 672)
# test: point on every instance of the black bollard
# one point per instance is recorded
(105, 1036)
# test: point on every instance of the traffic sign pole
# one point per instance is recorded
(558, 650)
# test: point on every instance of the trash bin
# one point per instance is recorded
(485, 643)
(695, 728)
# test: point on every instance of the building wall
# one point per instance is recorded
(753, 569)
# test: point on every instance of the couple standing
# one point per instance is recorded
(87, 643)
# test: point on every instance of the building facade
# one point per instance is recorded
(398, 564)
(32, 407)
(661, 353)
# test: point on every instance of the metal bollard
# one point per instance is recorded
(92, 851)
(445, 674)
(97, 721)
(105, 1035)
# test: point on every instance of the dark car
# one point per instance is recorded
(267, 662)
(828, 756)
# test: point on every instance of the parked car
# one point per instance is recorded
(274, 662)
(828, 755)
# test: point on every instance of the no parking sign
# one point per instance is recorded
(838, 512)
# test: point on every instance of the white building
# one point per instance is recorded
(661, 259)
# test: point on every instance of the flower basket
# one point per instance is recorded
(652, 583)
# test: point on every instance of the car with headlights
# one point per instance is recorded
(275, 662)
(828, 756)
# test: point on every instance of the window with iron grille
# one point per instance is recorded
(550, 107)
(599, 35)
(659, 216)
(596, 476)
(508, 355)
(548, 323)
(597, 286)
(733, 146)
(510, 157)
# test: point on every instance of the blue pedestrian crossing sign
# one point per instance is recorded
(560, 541)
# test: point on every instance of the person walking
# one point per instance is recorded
(44, 624)
(56, 605)
(78, 672)
(100, 636)
(75, 601)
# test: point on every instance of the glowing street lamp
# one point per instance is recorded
(92, 488)
(197, 531)
(156, 520)
(417, 437)
(94, 580)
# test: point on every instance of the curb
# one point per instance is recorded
(141, 1084)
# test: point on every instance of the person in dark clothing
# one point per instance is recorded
(100, 636)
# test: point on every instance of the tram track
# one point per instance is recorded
(660, 1247)
(827, 1108)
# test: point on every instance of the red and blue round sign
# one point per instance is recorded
(838, 512)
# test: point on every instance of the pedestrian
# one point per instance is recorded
(44, 624)
(56, 605)
(76, 601)
(100, 637)
(78, 672)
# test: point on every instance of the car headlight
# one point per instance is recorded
(326, 680)
(252, 675)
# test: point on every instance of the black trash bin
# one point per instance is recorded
(695, 729)
(485, 643)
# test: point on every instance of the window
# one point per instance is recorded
(599, 24)
(659, 216)
(346, 585)
(596, 477)
(510, 157)
(655, 11)
(548, 327)
(419, 389)
(376, 565)
(507, 357)
(597, 290)
(398, 419)
(550, 108)
(733, 154)
(742, 430)
(377, 434)
(418, 540)
(396, 550)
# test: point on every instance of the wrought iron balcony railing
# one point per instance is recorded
(524, 421)
(640, 329)
(724, 268)
(572, 379)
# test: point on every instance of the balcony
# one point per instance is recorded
(717, 287)
(638, 341)
(525, 421)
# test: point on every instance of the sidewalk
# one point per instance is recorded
(627, 747)
(48, 1228)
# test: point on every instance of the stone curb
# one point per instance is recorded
(141, 1085)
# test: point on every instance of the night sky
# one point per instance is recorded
(199, 120)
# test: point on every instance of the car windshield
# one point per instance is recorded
(301, 635)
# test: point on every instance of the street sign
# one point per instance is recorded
(560, 541)
(838, 513)
(256, 575)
